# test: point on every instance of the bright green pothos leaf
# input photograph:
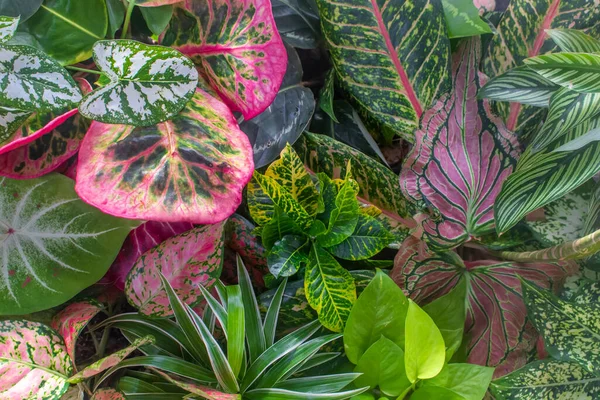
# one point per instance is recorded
(547, 380)
(369, 238)
(574, 41)
(34, 362)
(329, 289)
(413, 63)
(54, 244)
(8, 27)
(148, 84)
(288, 255)
(575, 71)
(467, 380)
(463, 20)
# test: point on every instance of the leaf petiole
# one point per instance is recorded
(127, 19)
(89, 71)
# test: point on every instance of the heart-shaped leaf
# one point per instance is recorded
(22, 8)
(500, 333)
(148, 84)
(54, 244)
(191, 168)
(462, 155)
(34, 362)
(245, 66)
(108, 394)
(297, 22)
(8, 27)
(186, 261)
(70, 322)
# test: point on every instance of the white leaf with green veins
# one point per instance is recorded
(8, 27)
(148, 84)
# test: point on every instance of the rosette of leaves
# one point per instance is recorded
(403, 349)
(308, 223)
(245, 362)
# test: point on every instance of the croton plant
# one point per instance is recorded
(299, 199)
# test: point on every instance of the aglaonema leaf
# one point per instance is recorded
(187, 260)
(192, 168)
(365, 35)
(462, 155)
(148, 84)
(54, 244)
(108, 394)
(34, 362)
(245, 66)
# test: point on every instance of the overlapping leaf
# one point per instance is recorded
(369, 238)
(573, 40)
(8, 26)
(405, 42)
(191, 168)
(463, 20)
(462, 155)
(288, 255)
(70, 322)
(108, 394)
(247, 64)
(297, 22)
(155, 3)
(24, 9)
(574, 71)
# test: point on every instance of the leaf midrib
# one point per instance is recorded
(35, 366)
(72, 23)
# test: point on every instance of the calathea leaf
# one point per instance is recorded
(574, 71)
(245, 66)
(187, 260)
(288, 255)
(462, 155)
(369, 238)
(297, 22)
(8, 26)
(365, 35)
(148, 84)
(462, 18)
(191, 168)
(34, 361)
(574, 41)
(54, 244)
(500, 334)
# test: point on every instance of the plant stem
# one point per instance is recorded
(89, 71)
(127, 19)
(103, 342)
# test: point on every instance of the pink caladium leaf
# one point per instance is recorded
(34, 363)
(461, 156)
(245, 63)
(500, 334)
(70, 322)
(192, 168)
(108, 394)
(140, 240)
(187, 260)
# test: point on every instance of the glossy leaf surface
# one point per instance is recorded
(574, 71)
(369, 238)
(24, 8)
(462, 18)
(70, 322)
(467, 380)
(297, 22)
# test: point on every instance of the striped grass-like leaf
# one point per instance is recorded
(206, 392)
(575, 71)
(220, 311)
(272, 315)
(319, 384)
(8, 27)
(574, 41)
(236, 328)
(255, 334)
(283, 394)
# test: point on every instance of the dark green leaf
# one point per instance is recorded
(278, 227)
(281, 394)
(297, 22)
(344, 217)
(157, 18)
(270, 324)
(288, 255)
(116, 15)
(319, 384)
(369, 238)
(23, 8)
(326, 96)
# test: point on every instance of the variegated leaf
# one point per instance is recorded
(574, 71)
(192, 168)
(247, 64)
(54, 244)
(205, 392)
(461, 157)
(327, 95)
(463, 20)
(70, 322)
(10, 120)
(369, 238)
(404, 41)
(108, 394)
(574, 41)
(498, 330)
(32, 81)
(155, 3)
(187, 260)
(34, 363)
(288, 255)
(8, 27)
(148, 84)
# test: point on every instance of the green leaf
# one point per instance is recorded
(467, 380)
(282, 394)
(235, 328)
(217, 309)
(580, 142)
(23, 8)
(8, 27)
(270, 324)
(462, 19)
(435, 392)
(297, 22)
(288, 255)
(520, 85)
(326, 96)
(575, 71)
(344, 217)
(148, 84)
(574, 41)
(329, 289)
(379, 311)
(369, 238)
(424, 350)
(67, 30)
(383, 365)
(255, 334)
(278, 227)
(116, 15)
(157, 18)
(319, 384)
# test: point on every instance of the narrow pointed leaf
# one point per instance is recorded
(217, 309)
(319, 384)
(369, 238)
(8, 27)
(270, 324)
(327, 94)
(520, 85)
(574, 41)
(70, 322)
(254, 330)
(108, 394)
(288, 255)
(282, 394)
(575, 71)
(205, 391)
(236, 329)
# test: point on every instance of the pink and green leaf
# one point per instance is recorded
(246, 64)
(155, 3)
(240, 239)
(108, 394)
(206, 392)
(461, 156)
(192, 168)
(187, 260)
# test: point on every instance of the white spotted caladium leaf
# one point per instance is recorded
(461, 156)
(8, 27)
(148, 84)
(108, 394)
(191, 168)
(238, 49)
(32, 81)
(34, 363)
(187, 260)
(500, 334)
(53, 244)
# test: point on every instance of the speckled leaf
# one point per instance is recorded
(288, 255)
(8, 26)
(462, 155)
(192, 168)
(547, 380)
(327, 94)
(246, 64)
(186, 261)
(463, 20)
(281, 225)
(405, 41)
(10, 120)
(108, 394)
(34, 363)
(297, 22)
(54, 244)
(70, 322)
(148, 84)
(369, 238)
(500, 334)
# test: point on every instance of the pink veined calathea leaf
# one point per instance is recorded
(34, 363)
(192, 168)
(140, 240)
(187, 260)
(70, 322)
(108, 394)
(499, 332)
(245, 63)
(461, 156)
